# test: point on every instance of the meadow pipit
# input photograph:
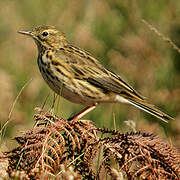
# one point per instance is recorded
(82, 78)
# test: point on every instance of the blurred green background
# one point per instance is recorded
(113, 32)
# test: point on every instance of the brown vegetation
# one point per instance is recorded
(58, 148)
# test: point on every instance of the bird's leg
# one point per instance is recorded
(83, 112)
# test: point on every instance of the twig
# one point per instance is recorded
(166, 39)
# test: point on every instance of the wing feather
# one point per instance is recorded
(84, 66)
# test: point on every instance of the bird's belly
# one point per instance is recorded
(68, 93)
(77, 98)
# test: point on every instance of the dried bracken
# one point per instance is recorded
(140, 155)
(50, 144)
(61, 149)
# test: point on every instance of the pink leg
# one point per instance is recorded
(83, 112)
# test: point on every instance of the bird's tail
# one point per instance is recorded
(151, 109)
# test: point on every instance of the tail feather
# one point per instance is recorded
(151, 109)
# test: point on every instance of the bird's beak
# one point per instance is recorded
(27, 33)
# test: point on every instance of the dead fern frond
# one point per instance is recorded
(57, 148)
(140, 154)
(50, 144)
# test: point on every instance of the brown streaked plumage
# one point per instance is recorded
(82, 78)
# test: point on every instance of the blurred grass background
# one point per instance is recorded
(113, 32)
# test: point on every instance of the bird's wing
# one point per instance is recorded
(83, 66)
(114, 83)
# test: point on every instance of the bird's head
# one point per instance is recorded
(47, 36)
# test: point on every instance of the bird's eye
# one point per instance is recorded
(45, 33)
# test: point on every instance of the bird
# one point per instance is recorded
(80, 78)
